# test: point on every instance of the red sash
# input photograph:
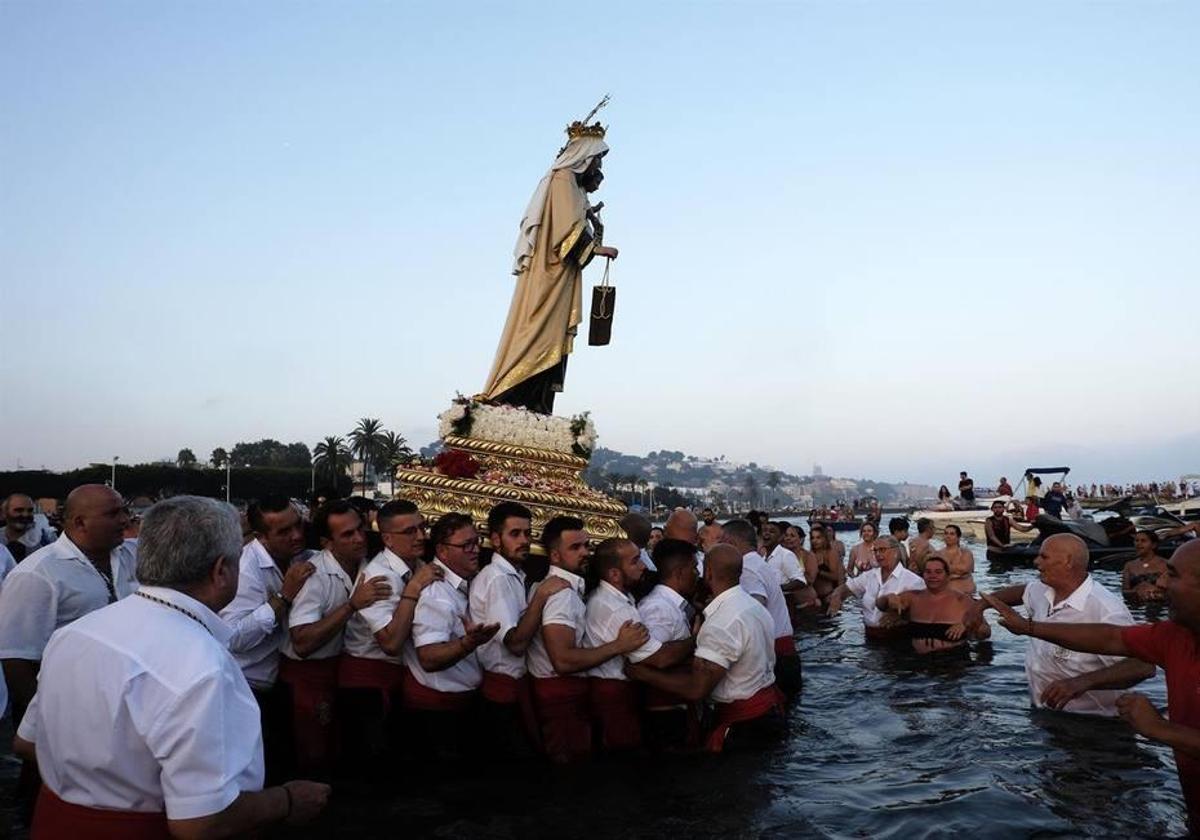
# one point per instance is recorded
(503, 690)
(425, 699)
(785, 646)
(562, 710)
(615, 707)
(55, 819)
(313, 684)
(360, 672)
(760, 704)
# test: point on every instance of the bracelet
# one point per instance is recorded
(287, 602)
(288, 794)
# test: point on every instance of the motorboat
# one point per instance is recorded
(971, 518)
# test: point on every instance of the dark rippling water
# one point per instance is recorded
(883, 744)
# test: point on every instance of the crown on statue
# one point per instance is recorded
(579, 129)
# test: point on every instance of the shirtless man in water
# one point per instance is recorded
(919, 547)
(935, 614)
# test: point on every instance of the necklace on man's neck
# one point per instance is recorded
(175, 607)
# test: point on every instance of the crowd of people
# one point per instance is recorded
(212, 676)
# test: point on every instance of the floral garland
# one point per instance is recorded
(456, 464)
(518, 427)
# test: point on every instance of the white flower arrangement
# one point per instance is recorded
(518, 427)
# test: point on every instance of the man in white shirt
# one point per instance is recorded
(370, 673)
(133, 737)
(788, 567)
(762, 583)
(316, 625)
(734, 663)
(616, 709)
(497, 596)
(558, 656)
(443, 673)
(1060, 678)
(272, 569)
(7, 564)
(887, 578)
(25, 530)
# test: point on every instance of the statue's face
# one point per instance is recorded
(591, 178)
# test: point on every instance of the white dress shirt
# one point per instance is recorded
(870, 585)
(607, 609)
(738, 634)
(257, 636)
(326, 589)
(364, 624)
(666, 614)
(565, 608)
(1046, 662)
(498, 597)
(439, 617)
(759, 579)
(141, 708)
(55, 586)
(7, 564)
(786, 564)
(648, 561)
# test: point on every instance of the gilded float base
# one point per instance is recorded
(549, 483)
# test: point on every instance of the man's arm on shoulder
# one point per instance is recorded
(693, 684)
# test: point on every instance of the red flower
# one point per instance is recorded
(456, 464)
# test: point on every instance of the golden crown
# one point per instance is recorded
(580, 128)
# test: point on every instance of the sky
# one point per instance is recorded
(895, 239)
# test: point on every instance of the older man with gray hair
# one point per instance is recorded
(143, 725)
(1059, 678)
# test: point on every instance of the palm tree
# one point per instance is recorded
(751, 485)
(642, 484)
(365, 441)
(331, 459)
(393, 452)
(773, 481)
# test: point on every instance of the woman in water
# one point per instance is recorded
(1139, 578)
(793, 541)
(960, 560)
(830, 572)
(862, 556)
(935, 614)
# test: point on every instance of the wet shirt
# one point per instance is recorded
(169, 723)
(364, 624)
(870, 585)
(1046, 662)
(326, 589)
(439, 617)
(738, 634)
(498, 597)
(565, 608)
(606, 611)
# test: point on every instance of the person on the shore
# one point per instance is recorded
(1066, 594)
(762, 583)
(330, 596)
(1004, 488)
(272, 569)
(966, 489)
(23, 534)
(734, 664)
(921, 546)
(830, 572)
(143, 725)
(1054, 501)
(998, 527)
(497, 596)
(88, 567)
(936, 614)
(1140, 576)
(787, 567)
(668, 616)
(960, 559)
(898, 530)
(557, 658)
(615, 702)
(370, 671)
(442, 671)
(887, 578)
(862, 556)
(1173, 644)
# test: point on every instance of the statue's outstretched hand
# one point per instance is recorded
(606, 251)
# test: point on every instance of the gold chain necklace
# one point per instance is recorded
(175, 607)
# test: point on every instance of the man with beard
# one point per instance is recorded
(497, 596)
(23, 535)
(273, 568)
(1173, 644)
(558, 657)
(615, 702)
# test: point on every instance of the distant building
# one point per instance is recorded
(817, 471)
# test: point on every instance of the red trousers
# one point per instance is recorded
(56, 819)
(313, 684)
(562, 711)
(765, 701)
(616, 710)
(425, 699)
(360, 672)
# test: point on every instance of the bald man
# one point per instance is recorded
(1173, 644)
(683, 525)
(734, 662)
(1066, 594)
(23, 532)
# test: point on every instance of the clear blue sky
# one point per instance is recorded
(893, 238)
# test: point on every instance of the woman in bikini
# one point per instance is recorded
(960, 560)
(936, 613)
(830, 572)
(1139, 578)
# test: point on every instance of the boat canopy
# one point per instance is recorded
(1046, 470)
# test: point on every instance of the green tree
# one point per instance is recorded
(394, 452)
(750, 483)
(218, 457)
(331, 459)
(773, 481)
(364, 441)
(186, 458)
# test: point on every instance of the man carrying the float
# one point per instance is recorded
(559, 235)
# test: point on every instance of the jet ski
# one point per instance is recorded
(1109, 541)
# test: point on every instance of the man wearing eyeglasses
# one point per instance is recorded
(444, 675)
(370, 672)
(888, 578)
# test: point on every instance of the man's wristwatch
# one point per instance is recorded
(287, 602)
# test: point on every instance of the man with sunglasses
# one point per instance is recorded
(370, 672)
(888, 578)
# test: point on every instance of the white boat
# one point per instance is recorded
(971, 520)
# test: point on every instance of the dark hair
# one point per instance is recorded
(898, 523)
(637, 528)
(503, 511)
(796, 528)
(741, 530)
(671, 554)
(924, 524)
(446, 525)
(552, 533)
(607, 556)
(338, 507)
(270, 503)
(1146, 532)
(938, 559)
(362, 504)
(394, 508)
(957, 530)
